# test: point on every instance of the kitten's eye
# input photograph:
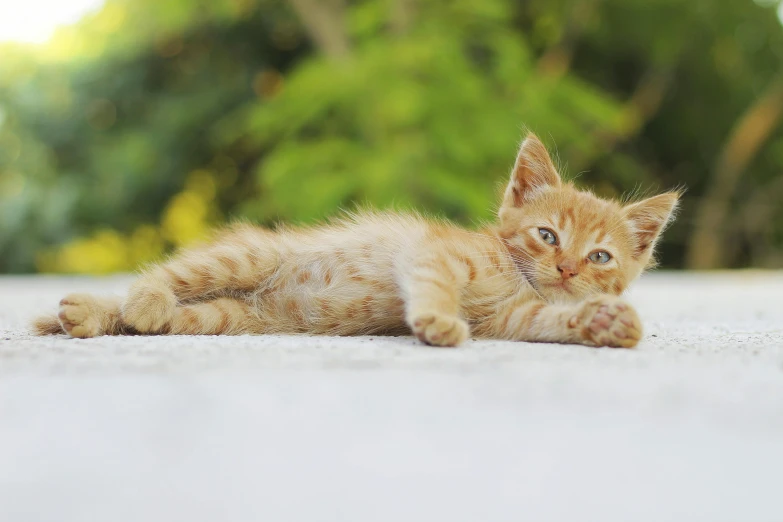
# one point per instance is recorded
(600, 257)
(548, 236)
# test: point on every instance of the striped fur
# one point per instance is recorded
(391, 273)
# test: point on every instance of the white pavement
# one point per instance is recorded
(687, 427)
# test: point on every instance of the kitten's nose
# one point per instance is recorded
(567, 269)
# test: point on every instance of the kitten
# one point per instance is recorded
(550, 270)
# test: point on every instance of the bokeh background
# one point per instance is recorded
(139, 125)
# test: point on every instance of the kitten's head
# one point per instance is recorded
(569, 243)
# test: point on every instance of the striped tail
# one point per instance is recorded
(47, 325)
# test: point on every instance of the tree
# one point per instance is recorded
(149, 122)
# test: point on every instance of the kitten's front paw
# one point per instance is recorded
(607, 321)
(439, 329)
(78, 316)
(149, 309)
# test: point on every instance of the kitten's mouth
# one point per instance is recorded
(561, 285)
(538, 285)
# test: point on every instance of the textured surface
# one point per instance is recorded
(688, 426)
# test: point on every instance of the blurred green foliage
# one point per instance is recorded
(147, 123)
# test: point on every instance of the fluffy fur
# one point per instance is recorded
(540, 274)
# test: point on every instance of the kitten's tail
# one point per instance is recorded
(47, 325)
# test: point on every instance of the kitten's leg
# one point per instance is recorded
(221, 316)
(432, 290)
(237, 262)
(603, 320)
(83, 315)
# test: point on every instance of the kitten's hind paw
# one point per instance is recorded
(607, 321)
(439, 329)
(78, 316)
(149, 310)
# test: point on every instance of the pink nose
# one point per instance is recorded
(567, 269)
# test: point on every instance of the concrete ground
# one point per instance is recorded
(687, 427)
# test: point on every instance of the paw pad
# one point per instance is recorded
(77, 316)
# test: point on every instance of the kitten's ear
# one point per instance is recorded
(532, 170)
(649, 217)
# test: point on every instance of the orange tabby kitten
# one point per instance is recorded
(550, 270)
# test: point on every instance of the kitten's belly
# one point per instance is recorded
(333, 299)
